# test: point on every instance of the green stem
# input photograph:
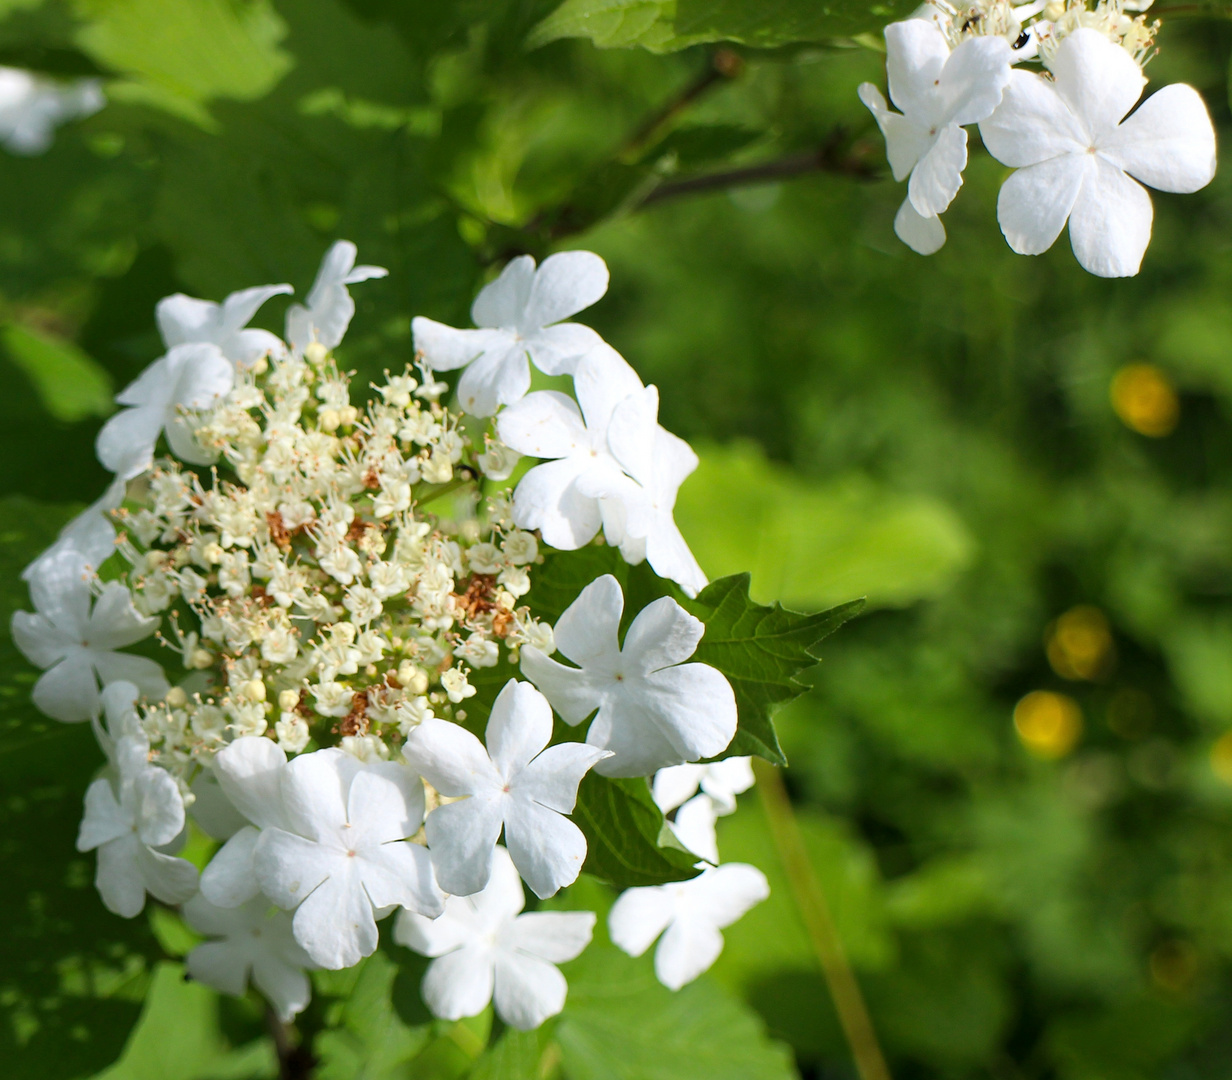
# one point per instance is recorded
(819, 923)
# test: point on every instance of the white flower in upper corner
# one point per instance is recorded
(345, 859)
(721, 780)
(558, 497)
(1077, 155)
(76, 640)
(689, 915)
(91, 533)
(519, 315)
(255, 943)
(484, 949)
(695, 828)
(937, 91)
(249, 777)
(519, 783)
(185, 320)
(330, 306)
(653, 709)
(31, 107)
(148, 814)
(189, 377)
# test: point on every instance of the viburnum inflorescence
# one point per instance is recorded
(327, 578)
(1081, 155)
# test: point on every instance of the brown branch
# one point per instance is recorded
(295, 1060)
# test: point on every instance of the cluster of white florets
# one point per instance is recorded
(329, 576)
(1079, 156)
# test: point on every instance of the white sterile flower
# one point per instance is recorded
(76, 640)
(485, 949)
(189, 377)
(653, 709)
(148, 814)
(1079, 158)
(561, 497)
(937, 91)
(695, 827)
(330, 307)
(516, 784)
(249, 773)
(31, 107)
(721, 780)
(254, 943)
(91, 533)
(185, 320)
(344, 859)
(689, 915)
(519, 315)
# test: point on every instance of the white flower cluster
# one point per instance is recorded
(33, 106)
(1067, 129)
(330, 578)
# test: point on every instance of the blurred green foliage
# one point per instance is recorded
(936, 434)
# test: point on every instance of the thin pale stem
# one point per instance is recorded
(815, 912)
(295, 1061)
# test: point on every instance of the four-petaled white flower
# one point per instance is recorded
(189, 377)
(31, 107)
(722, 781)
(91, 533)
(937, 91)
(653, 709)
(185, 320)
(345, 859)
(519, 315)
(484, 950)
(689, 915)
(127, 830)
(76, 641)
(521, 786)
(330, 306)
(1079, 158)
(558, 497)
(249, 773)
(255, 942)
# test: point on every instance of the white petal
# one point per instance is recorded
(154, 386)
(118, 876)
(68, 691)
(201, 375)
(182, 441)
(462, 836)
(399, 874)
(386, 802)
(906, 142)
(638, 744)
(724, 894)
(239, 308)
(555, 936)
(1099, 80)
(499, 377)
(314, 792)
(40, 641)
(1035, 202)
(547, 848)
(460, 983)
(1168, 143)
(696, 705)
(602, 381)
(662, 634)
(221, 965)
(586, 631)
(1110, 225)
(557, 350)
(676, 784)
(212, 810)
(573, 693)
(547, 498)
(160, 808)
(694, 827)
(1032, 124)
(552, 778)
(528, 990)
(446, 349)
(938, 175)
(669, 556)
(284, 985)
(335, 925)
(249, 771)
(125, 445)
(61, 591)
(924, 235)
(104, 820)
(638, 917)
(974, 78)
(632, 434)
(169, 879)
(451, 759)
(501, 302)
(290, 867)
(916, 52)
(229, 878)
(115, 622)
(545, 424)
(434, 937)
(564, 284)
(183, 318)
(503, 896)
(687, 949)
(519, 727)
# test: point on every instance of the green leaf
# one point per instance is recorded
(669, 25)
(628, 842)
(619, 1023)
(762, 651)
(71, 385)
(516, 1055)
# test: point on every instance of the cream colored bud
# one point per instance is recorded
(261, 366)
(201, 658)
(329, 420)
(176, 697)
(288, 700)
(349, 414)
(155, 559)
(254, 690)
(412, 678)
(213, 553)
(316, 353)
